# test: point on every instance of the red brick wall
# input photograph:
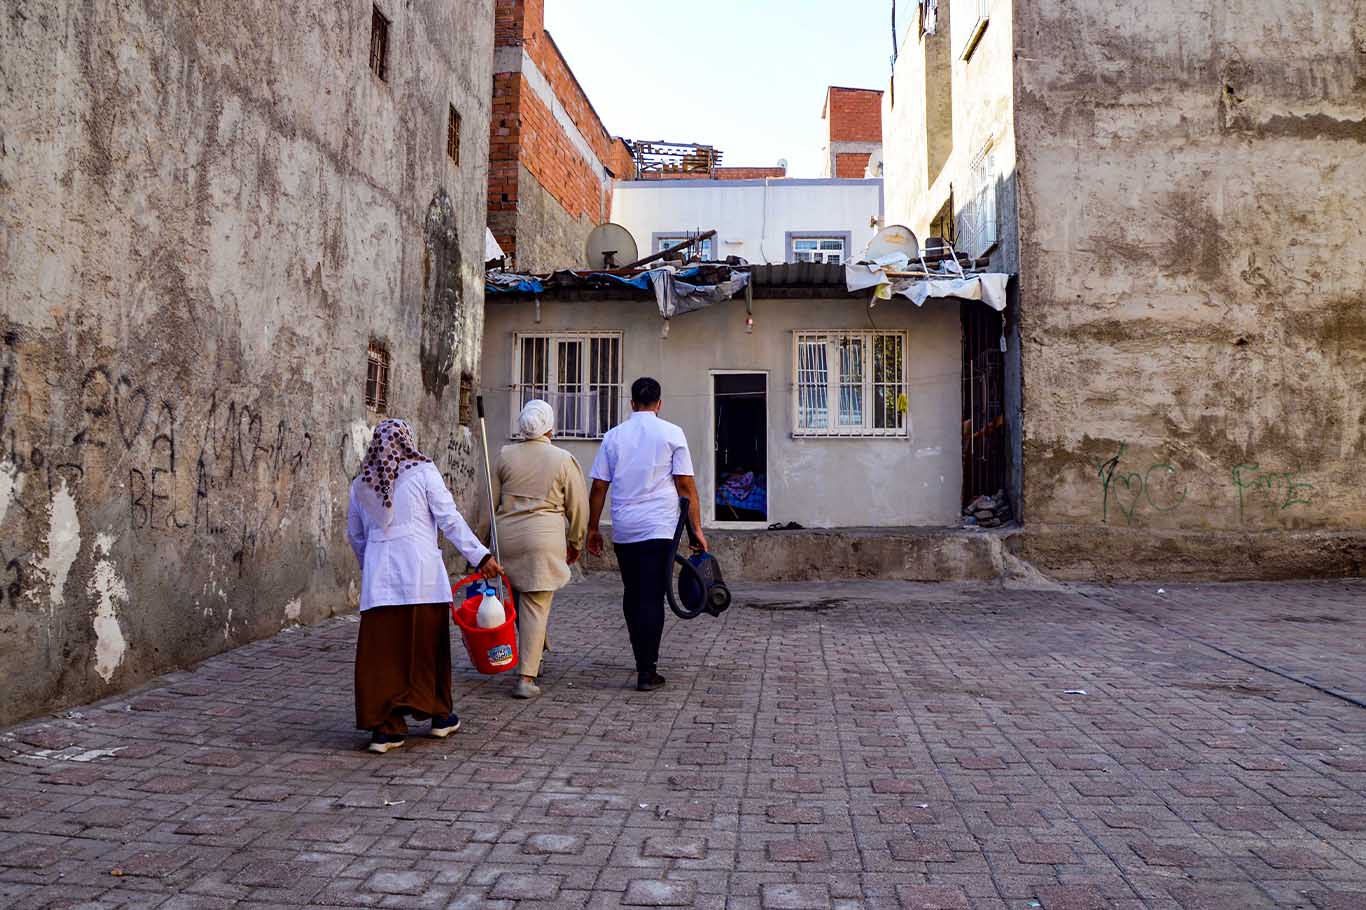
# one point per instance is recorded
(555, 163)
(724, 173)
(853, 115)
(504, 151)
(851, 164)
(525, 131)
(749, 173)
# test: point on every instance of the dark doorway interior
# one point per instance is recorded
(741, 433)
(984, 423)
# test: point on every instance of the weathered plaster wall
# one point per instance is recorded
(207, 213)
(1192, 285)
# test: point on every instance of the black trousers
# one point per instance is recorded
(645, 572)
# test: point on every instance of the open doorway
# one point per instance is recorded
(740, 434)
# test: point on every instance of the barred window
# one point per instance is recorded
(977, 229)
(579, 375)
(849, 384)
(453, 135)
(379, 44)
(377, 379)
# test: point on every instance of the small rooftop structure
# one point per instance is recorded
(656, 159)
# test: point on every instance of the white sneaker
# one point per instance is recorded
(525, 689)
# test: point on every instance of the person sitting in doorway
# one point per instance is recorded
(645, 463)
(403, 652)
(542, 510)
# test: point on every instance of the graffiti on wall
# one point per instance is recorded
(1277, 490)
(232, 471)
(1131, 488)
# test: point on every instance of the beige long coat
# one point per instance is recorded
(542, 506)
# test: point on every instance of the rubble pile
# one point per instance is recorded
(988, 511)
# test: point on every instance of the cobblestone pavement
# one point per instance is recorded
(890, 746)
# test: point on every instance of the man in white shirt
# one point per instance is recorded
(646, 464)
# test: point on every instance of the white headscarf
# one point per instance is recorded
(536, 419)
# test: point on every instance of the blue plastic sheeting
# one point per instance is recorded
(642, 280)
(526, 284)
(523, 284)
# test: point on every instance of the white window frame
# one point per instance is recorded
(979, 221)
(979, 24)
(825, 255)
(582, 426)
(866, 429)
(666, 239)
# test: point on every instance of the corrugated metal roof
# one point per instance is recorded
(798, 274)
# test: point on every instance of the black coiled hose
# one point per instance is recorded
(684, 523)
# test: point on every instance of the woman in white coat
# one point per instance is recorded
(403, 654)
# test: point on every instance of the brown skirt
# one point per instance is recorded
(403, 666)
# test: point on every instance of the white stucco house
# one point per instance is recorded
(770, 220)
(803, 401)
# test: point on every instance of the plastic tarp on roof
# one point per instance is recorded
(674, 294)
(988, 287)
(676, 297)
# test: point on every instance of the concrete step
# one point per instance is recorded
(892, 554)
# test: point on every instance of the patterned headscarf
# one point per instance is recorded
(392, 451)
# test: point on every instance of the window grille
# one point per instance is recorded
(850, 383)
(466, 405)
(377, 379)
(579, 375)
(818, 249)
(978, 222)
(976, 13)
(453, 135)
(703, 249)
(379, 44)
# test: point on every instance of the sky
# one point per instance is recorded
(747, 76)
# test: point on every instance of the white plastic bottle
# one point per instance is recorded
(491, 614)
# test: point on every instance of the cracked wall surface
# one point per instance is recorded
(207, 213)
(1192, 291)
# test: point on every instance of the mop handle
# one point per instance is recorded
(488, 481)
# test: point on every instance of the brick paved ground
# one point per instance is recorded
(908, 746)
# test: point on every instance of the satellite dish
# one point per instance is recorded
(892, 240)
(610, 246)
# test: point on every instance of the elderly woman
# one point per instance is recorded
(403, 655)
(542, 509)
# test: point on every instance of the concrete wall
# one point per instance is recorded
(819, 483)
(927, 167)
(1192, 285)
(207, 215)
(940, 112)
(752, 217)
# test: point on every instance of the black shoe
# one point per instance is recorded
(445, 726)
(648, 682)
(383, 742)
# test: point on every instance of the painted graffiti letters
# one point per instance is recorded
(1277, 490)
(1131, 489)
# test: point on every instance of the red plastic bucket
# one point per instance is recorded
(491, 650)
